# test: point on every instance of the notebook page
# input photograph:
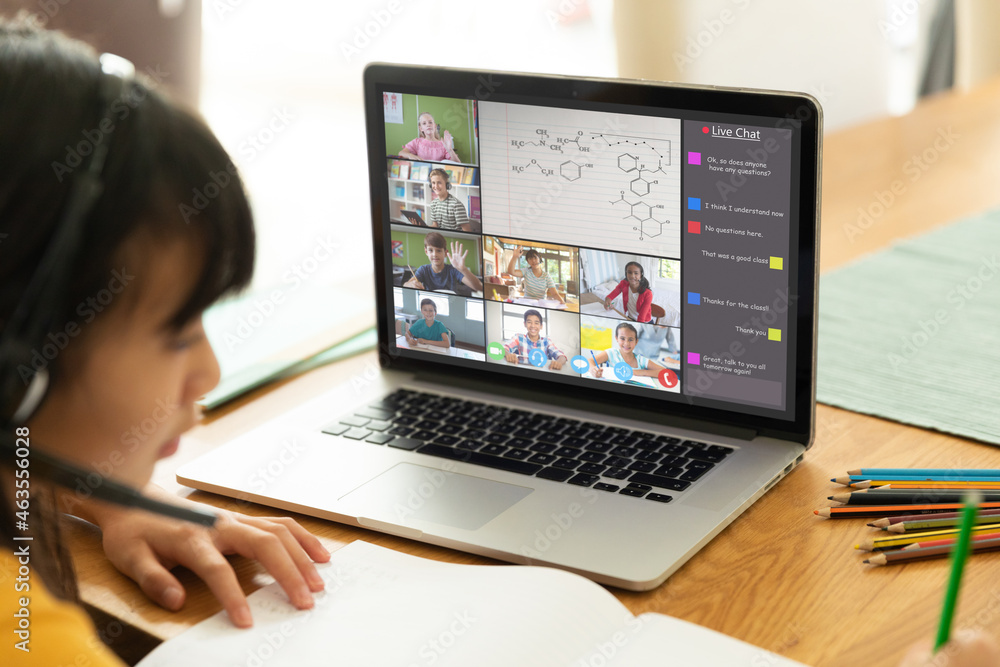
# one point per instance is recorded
(655, 639)
(382, 607)
(580, 177)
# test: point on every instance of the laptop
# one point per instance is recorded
(652, 376)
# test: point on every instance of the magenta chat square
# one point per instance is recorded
(694, 158)
(694, 358)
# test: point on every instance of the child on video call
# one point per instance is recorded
(428, 331)
(537, 282)
(626, 337)
(440, 276)
(429, 145)
(637, 298)
(520, 345)
(446, 211)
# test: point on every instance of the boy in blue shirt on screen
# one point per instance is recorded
(428, 331)
(440, 276)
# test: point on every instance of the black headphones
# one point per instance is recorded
(23, 387)
(443, 174)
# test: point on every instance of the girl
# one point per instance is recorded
(637, 298)
(537, 282)
(428, 331)
(429, 145)
(107, 265)
(626, 336)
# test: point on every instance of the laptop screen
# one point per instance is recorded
(623, 239)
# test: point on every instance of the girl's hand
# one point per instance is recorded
(597, 371)
(145, 547)
(510, 358)
(607, 304)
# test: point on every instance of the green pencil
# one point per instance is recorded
(958, 558)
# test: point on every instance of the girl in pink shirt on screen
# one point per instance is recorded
(429, 145)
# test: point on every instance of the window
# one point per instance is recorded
(397, 297)
(474, 310)
(670, 268)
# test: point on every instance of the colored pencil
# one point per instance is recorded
(888, 521)
(886, 479)
(937, 524)
(861, 511)
(932, 472)
(896, 541)
(946, 541)
(960, 555)
(963, 486)
(905, 497)
(904, 555)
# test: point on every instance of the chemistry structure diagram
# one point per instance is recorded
(640, 161)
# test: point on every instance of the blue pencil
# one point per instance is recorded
(880, 473)
(594, 357)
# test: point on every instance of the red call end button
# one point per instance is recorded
(668, 378)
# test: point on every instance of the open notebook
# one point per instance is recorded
(382, 607)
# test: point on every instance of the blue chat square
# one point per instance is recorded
(694, 203)
(694, 298)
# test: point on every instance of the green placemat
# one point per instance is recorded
(912, 333)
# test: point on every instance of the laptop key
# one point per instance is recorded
(659, 497)
(446, 440)
(519, 454)
(699, 465)
(520, 443)
(544, 459)
(405, 420)
(379, 438)
(566, 463)
(552, 438)
(573, 441)
(598, 447)
(423, 435)
(401, 430)
(604, 486)
(591, 457)
(336, 429)
(624, 440)
(648, 444)
(354, 420)
(669, 471)
(555, 474)
(493, 450)
(583, 479)
(357, 433)
(618, 473)
(659, 481)
(648, 456)
(617, 462)
(642, 466)
(496, 438)
(693, 475)
(542, 447)
(591, 469)
(376, 425)
(405, 443)
(635, 493)
(469, 444)
(702, 455)
(450, 429)
(373, 412)
(478, 458)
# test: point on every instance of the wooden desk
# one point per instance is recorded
(778, 577)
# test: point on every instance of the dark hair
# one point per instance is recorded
(626, 325)
(643, 283)
(530, 312)
(161, 166)
(435, 240)
(532, 253)
(429, 301)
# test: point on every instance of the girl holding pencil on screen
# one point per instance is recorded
(626, 338)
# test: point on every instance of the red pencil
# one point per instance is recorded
(950, 540)
(860, 511)
(888, 521)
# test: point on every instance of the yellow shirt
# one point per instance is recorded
(37, 628)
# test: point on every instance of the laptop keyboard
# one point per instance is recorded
(607, 458)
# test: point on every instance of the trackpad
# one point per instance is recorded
(406, 493)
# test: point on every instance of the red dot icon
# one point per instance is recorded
(668, 378)
(704, 130)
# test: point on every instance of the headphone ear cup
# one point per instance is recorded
(447, 185)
